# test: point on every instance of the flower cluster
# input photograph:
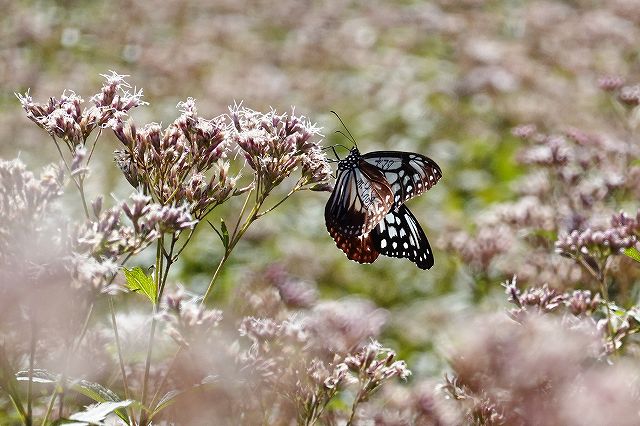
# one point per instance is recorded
(275, 145)
(24, 200)
(610, 83)
(604, 320)
(172, 164)
(542, 300)
(187, 321)
(66, 118)
(93, 274)
(592, 247)
(374, 364)
(107, 237)
(604, 242)
(516, 373)
(479, 408)
(286, 357)
(571, 180)
(629, 95)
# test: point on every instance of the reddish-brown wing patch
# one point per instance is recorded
(359, 248)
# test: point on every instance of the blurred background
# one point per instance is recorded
(447, 79)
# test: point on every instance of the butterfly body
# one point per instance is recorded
(361, 197)
(365, 213)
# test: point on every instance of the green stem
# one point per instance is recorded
(601, 277)
(93, 146)
(236, 236)
(318, 409)
(52, 400)
(79, 183)
(232, 242)
(64, 160)
(239, 231)
(289, 194)
(244, 208)
(147, 367)
(82, 197)
(356, 401)
(170, 259)
(604, 288)
(215, 277)
(120, 358)
(184, 245)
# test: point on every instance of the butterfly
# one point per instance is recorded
(365, 213)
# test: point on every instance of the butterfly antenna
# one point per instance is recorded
(333, 148)
(351, 138)
(347, 137)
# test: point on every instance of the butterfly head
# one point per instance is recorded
(350, 161)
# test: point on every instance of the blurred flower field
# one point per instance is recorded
(163, 252)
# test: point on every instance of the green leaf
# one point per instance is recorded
(321, 187)
(168, 399)
(99, 393)
(95, 414)
(138, 281)
(217, 232)
(39, 376)
(633, 253)
(94, 391)
(9, 383)
(225, 234)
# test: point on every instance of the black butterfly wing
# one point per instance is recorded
(360, 199)
(399, 235)
(359, 248)
(408, 174)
